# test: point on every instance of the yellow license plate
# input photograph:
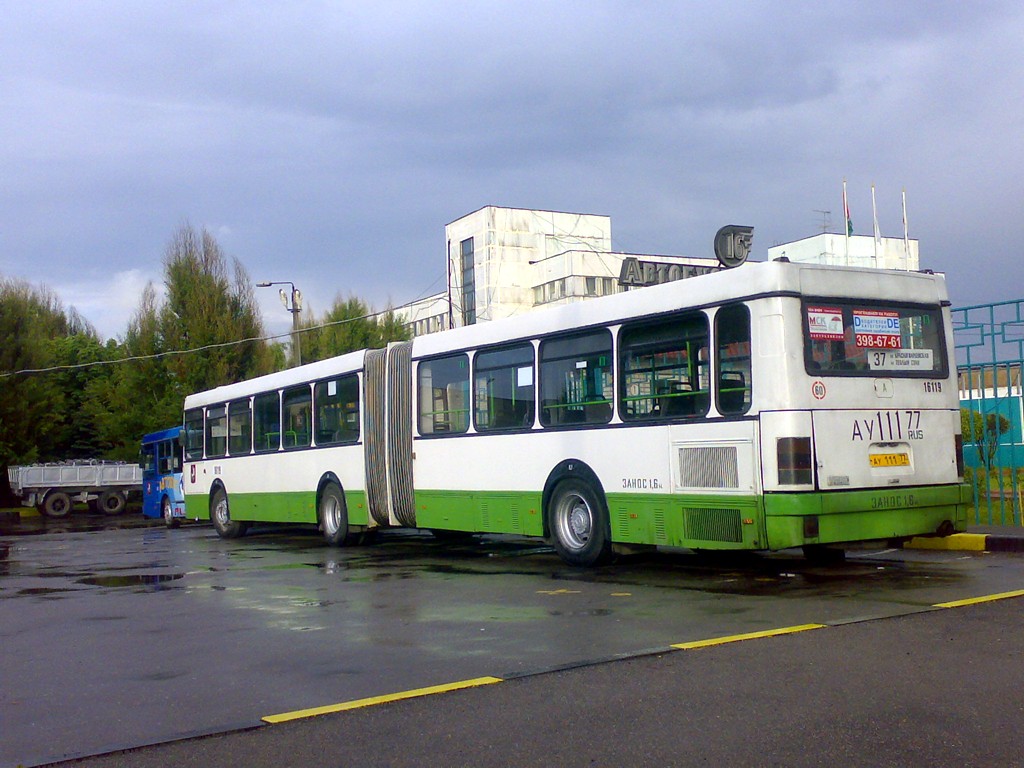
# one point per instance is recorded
(889, 460)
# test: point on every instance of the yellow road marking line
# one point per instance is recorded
(747, 636)
(374, 700)
(982, 599)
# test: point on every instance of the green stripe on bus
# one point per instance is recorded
(295, 507)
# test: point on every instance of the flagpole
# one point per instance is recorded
(906, 232)
(848, 224)
(874, 215)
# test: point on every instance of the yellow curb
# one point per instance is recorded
(965, 542)
(747, 636)
(373, 700)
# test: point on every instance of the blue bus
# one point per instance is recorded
(161, 476)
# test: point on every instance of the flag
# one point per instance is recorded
(846, 212)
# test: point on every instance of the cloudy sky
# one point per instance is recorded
(328, 143)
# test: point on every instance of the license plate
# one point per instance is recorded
(889, 460)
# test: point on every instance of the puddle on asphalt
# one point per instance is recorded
(131, 580)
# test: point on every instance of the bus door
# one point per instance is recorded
(150, 481)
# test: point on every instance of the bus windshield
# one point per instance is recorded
(865, 338)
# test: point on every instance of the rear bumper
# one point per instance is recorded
(836, 517)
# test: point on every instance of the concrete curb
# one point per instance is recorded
(970, 542)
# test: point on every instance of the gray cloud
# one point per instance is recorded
(329, 143)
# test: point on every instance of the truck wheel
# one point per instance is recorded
(169, 519)
(220, 514)
(57, 504)
(112, 502)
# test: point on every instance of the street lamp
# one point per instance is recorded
(293, 303)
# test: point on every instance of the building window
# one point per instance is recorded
(600, 286)
(468, 282)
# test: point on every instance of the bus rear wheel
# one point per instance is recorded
(220, 514)
(169, 519)
(578, 521)
(333, 514)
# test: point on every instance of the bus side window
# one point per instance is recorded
(442, 392)
(239, 427)
(503, 388)
(297, 404)
(663, 367)
(194, 434)
(337, 410)
(576, 381)
(732, 359)
(216, 431)
(266, 422)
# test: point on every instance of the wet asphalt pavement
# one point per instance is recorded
(117, 636)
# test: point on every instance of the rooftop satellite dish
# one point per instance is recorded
(732, 245)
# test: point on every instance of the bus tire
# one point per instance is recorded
(169, 519)
(57, 504)
(578, 521)
(220, 515)
(112, 502)
(333, 515)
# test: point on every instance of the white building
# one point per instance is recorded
(852, 251)
(506, 261)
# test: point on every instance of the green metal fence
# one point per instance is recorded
(989, 341)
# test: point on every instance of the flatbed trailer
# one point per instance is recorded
(54, 488)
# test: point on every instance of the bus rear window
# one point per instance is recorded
(864, 338)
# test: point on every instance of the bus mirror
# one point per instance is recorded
(732, 245)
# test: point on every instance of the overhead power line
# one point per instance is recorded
(181, 352)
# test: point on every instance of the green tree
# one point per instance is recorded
(349, 325)
(206, 307)
(32, 415)
(984, 431)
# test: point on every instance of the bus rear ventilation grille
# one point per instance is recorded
(709, 467)
(710, 524)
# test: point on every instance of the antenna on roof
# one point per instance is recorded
(826, 220)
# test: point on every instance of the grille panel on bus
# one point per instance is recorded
(708, 467)
(709, 524)
(400, 432)
(375, 455)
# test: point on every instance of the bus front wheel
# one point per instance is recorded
(578, 521)
(220, 514)
(169, 519)
(333, 515)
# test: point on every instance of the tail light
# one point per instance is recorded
(959, 456)
(794, 460)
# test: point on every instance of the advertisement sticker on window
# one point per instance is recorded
(877, 329)
(825, 323)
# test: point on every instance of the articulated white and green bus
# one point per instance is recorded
(770, 406)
